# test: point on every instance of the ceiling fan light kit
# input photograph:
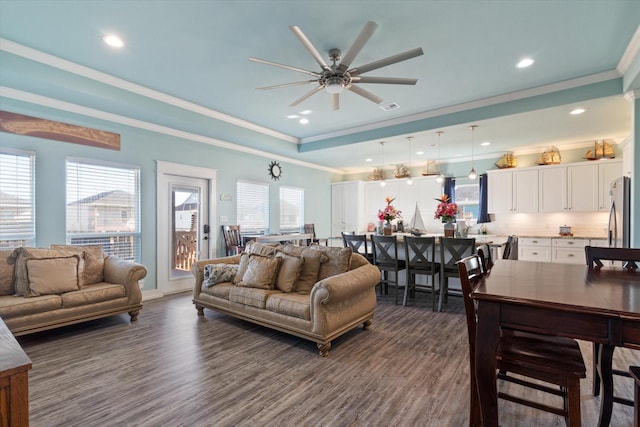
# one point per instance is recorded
(336, 78)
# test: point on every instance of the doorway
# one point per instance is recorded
(185, 229)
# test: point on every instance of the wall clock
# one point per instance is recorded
(275, 170)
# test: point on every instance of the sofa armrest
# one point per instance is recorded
(197, 269)
(126, 273)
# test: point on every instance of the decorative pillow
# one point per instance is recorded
(23, 254)
(264, 249)
(219, 273)
(242, 267)
(7, 262)
(93, 271)
(48, 276)
(261, 272)
(310, 267)
(338, 262)
(289, 271)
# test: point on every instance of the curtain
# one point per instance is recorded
(483, 214)
(449, 188)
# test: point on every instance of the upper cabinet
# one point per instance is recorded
(347, 200)
(513, 191)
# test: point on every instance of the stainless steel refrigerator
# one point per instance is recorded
(620, 213)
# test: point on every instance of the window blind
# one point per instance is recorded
(252, 207)
(17, 199)
(291, 209)
(103, 207)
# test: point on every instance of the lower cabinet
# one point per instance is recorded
(569, 251)
(555, 249)
(534, 249)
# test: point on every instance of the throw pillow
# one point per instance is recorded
(261, 272)
(219, 273)
(93, 271)
(23, 254)
(338, 261)
(310, 267)
(242, 267)
(265, 249)
(48, 276)
(289, 271)
(7, 262)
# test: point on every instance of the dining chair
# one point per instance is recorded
(358, 244)
(232, 239)
(510, 248)
(452, 250)
(311, 229)
(634, 372)
(595, 257)
(385, 257)
(420, 254)
(553, 360)
(484, 252)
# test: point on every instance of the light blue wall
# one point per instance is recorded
(144, 148)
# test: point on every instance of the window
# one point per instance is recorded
(103, 207)
(468, 197)
(17, 199)
(291, 209)
(253, 207)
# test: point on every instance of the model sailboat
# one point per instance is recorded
(416, 226)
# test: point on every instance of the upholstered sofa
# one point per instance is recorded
(314, 292)
(42, 289)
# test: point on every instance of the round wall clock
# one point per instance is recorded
(275, 170)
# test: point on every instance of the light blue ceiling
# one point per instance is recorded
(197, 51)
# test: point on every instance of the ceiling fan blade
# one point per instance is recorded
(335, 101)
(364, 93)
(384, 80)
(310, 47)
(358, 44)
(286, 67)
(305, 96)
(386, 61)
(306, 82)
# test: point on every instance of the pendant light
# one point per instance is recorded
(383, 183)
(472, 172)
(409, 181)
(440, 178)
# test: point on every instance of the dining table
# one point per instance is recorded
(572, 300)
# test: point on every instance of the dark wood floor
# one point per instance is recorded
(173, 368)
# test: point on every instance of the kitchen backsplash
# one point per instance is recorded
(547, 224)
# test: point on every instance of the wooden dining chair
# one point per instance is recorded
(452, 250)
(420, 254)
(358, 244)
(484, 252)
(629, 258)
(232, 239)
(553, 360)
(634, 372)
(311, 229)
(385, 257)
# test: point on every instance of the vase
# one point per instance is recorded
(449, 229)
(387, 230)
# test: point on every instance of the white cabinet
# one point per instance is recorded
(553, 189)
(607, 173)
(534, 249)
(513, 191)
(627, 156)
(346, 207)
(569, 251)
(600, 243)
(582, 184)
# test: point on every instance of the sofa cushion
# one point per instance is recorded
(289, 271)
(7, 262)
(48, 276)
(221, 290)
(291, 304)
(310, 268)
(261, 272)
(24, 253)
(264, 249)
(242, 267)
(92, 294)
(250, 296)
(219, 273)
(93, 270)
(338, 261)
(13, 306)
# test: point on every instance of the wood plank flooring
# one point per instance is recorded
(173, 368)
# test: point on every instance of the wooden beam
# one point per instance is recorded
(48, 129)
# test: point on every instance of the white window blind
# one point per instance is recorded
(468, 197)
(103, 207)
(252, 207)
(17, 199)
(291, 209)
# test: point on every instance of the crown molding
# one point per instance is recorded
(630, 53)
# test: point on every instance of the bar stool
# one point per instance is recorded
(385, 257)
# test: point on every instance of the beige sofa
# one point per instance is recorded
(42, 289)
(315, 292)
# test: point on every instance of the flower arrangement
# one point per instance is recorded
(389, 213)
(445, 210)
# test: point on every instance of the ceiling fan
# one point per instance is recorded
(338, 77)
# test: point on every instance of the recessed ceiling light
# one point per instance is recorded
(524, 63)
(303, 121)
(419, 153)
(305, 112)
(485, 143)
(113, 40)
(292, 116)
(368, 160)
(577, 111)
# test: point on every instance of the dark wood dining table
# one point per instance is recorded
(570, 300)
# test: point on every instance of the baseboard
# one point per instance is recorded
(151, 294)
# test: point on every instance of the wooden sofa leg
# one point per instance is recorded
(134, 315)
(366, 324)
(324, 348)
(200, 309)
